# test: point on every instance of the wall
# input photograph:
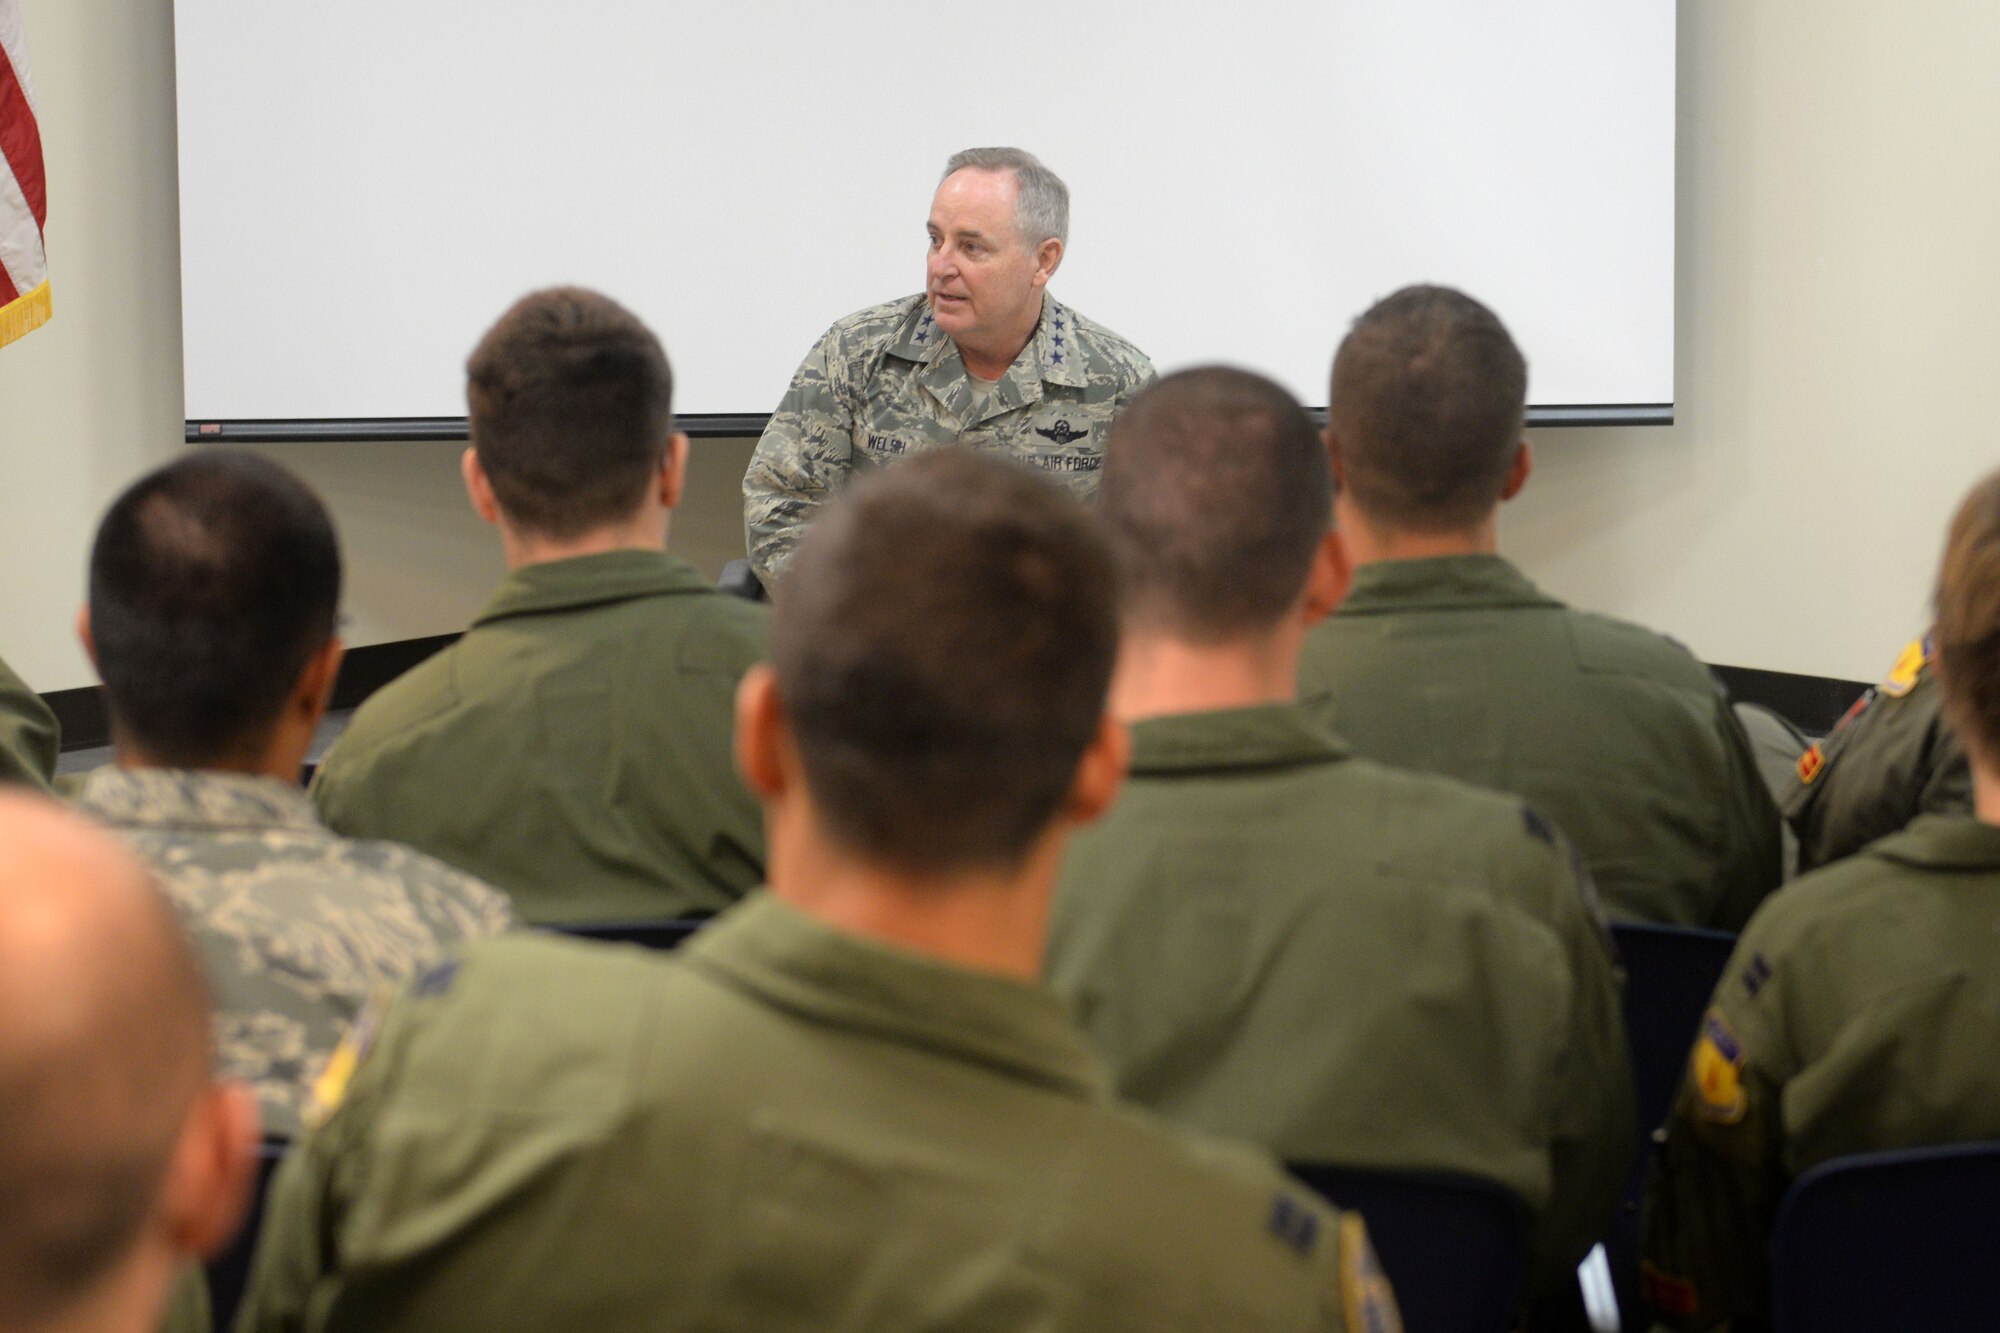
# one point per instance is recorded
(1836, 210)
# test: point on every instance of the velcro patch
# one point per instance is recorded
(1903, 676)
(1371, 1303)
(1810, 763)
(1718, 1072)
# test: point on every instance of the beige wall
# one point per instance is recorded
(1837, 275)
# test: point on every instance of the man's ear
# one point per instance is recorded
(209, 1177)
(1517, 471)
(316, 682)
(478, 488)
(762, 733)
(1099, 773)
(1048, 258)
(85, 637)
(673, 470)
(1328, 579)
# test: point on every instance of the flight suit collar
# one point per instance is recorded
(189, 799)
(802, 965)
(1943, 842)
(590, 580)
(1441, 583)
(1261, 736)
(1050, 357)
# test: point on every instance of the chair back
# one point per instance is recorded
(1671, 972)
(1901, 1239)
(1454, 1247)
(229, 1272)
(647, 934)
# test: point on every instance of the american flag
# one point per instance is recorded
(24, 196)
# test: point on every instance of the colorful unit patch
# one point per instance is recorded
(1810, 763)
(1903, 676)
(1371, 1305)
(1718, 1072)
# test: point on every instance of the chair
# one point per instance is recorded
(229, 1272)
(1901, 1239)
(1454, 1247)
(1671, 973)
(739, 580)
(669, 934)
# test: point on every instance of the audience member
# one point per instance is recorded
(1856, 1011)
(123, 1160)
(1892, 758)
(1270, 939)
(214, 584)
(846, 1104)
(1446, 659)
(983, 357)
(29, 736)
(573, 746)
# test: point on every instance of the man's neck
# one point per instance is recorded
(646, 533)
(1985, 791)
(283, 759)
(985, 920)
(1160, 675)
(1370, 542)
(992, 359)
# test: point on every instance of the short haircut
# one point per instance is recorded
(943, 651)
(213, 581)
(1967, 631)
(1429, 397)
(94, 1091)
(1041, 200)
(1217, 492)
(571, 403)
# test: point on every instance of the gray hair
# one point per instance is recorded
(1041, 200)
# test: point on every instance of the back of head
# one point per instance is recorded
(943, 651)
(1217, 492)
(103, 1052)
(571, 404)
(213, 581)
(1428, 400)
(1041, 200)
(1968, 620)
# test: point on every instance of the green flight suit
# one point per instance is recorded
(1459, 665)
(574, 747)
(781, 1127)
(1272, 940)
(29, 736)
(1859, 1013)
(188, 1309)
(1892, 758)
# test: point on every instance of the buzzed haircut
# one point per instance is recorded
(943, 651)
(95, 1086)
(571, 403)
(1967, 629)
(1217, 493)
(213, 581)
(1429, 397)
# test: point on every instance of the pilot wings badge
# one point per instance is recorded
(1062, 432)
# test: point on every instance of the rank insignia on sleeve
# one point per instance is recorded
(1294, 1223)
(1903, 676)
(1371, 1305)
(1810, 763)
(1718, 1072)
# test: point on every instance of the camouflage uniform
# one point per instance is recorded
(295, 925)
(887, 382)
(1892, 758)
(28, 733)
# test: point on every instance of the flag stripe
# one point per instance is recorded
(21, 141)
(21, 259)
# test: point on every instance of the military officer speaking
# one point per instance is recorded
(984, 357)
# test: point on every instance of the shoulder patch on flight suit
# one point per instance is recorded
(1811, 763)
(1903, 676)
(1294, 1223)
(1718, 1072)
(330, 1088)
(1371, 1305)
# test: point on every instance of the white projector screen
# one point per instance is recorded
(365, 186)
